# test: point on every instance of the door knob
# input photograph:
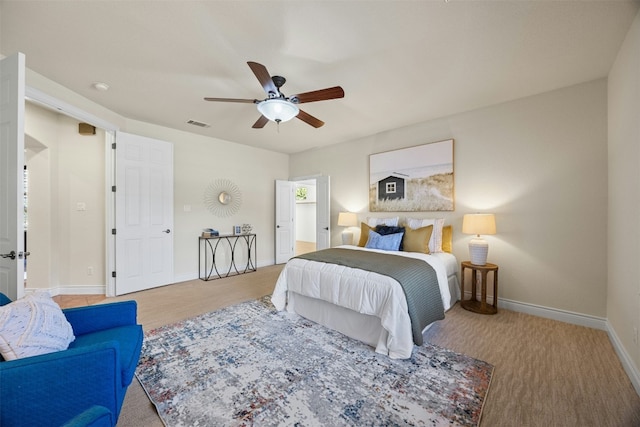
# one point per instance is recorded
(10, 255)
(166, 231)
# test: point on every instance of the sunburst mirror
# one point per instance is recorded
(222, 197)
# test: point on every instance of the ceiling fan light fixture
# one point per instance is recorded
(278, 110)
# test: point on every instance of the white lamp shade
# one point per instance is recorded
(347, 219)
(479, 224)
(278, 110)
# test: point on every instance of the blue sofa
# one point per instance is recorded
(95, 371)
(96, 416)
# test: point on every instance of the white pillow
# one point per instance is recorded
(33, 325)
(435, 242)
(391, 222)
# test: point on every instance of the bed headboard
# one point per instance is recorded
(447, 239)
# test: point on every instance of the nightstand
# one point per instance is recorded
(479, 275)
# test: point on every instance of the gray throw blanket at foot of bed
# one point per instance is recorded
(417, 278)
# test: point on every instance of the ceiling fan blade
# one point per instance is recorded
(259, 124)
(263, 77)
(309, 119)
(247, 101)
(320, 95)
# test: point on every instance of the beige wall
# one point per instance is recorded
(65, 168)
(198, 161)
(623, 296)
(539, 163)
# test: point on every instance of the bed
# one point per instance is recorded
(365, 305)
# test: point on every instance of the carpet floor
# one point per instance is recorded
(250, 365)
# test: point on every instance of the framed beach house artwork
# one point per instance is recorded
(414, 179)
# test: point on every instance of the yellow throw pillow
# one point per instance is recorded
(364, 234)
(447, 239)
(417, 240)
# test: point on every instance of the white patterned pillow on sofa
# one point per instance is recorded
(33, 325)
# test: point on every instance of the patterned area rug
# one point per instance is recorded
(251, 365)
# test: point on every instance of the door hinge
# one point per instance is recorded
(113, 231)
(113, 274)
(113, 146)
(113, 188)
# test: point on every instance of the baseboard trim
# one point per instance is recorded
(101, 290)
(582, 320)
(71, 290)
(626, 360)
(555, 314)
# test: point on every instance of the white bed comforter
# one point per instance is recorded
(361, 291)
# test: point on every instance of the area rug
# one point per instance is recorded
(251, 365)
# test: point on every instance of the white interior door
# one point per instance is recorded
(12, 87)
(285, 221)
(323, 213)
(144, 213)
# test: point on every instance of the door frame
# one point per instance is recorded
(50, 102)
(12, 76)
(315, 178)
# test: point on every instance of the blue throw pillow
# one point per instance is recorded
(383, 230)
(390, 242)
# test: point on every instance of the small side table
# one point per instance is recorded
(473, 304)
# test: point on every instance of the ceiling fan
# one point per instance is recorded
(279, 108)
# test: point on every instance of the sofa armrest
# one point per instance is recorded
(99, 317)
(52, 388)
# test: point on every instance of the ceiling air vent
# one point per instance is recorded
(197, 123)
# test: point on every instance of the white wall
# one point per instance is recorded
(306, 214)
(623, 296)
(306, 221)
(539, 163)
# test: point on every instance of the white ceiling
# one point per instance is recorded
(399, 62)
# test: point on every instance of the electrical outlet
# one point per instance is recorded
(89, 271)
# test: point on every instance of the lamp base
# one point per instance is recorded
(478, 251)
(347, 238)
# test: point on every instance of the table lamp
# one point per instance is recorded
(479, 224)
(347, 219)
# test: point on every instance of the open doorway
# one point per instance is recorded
(292, 227)
(65, 204)
(305, 214)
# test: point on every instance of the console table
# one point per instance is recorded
(224, 256)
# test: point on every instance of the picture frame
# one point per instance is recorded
(237, 229)
(414, 179)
